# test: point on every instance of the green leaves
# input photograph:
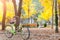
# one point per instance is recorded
(38, 6)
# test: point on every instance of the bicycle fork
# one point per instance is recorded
(13, 32)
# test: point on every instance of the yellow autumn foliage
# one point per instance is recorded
(47, 12)
(27, 5)
(1, 11)
(10, 9)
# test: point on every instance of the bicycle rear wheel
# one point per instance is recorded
(8, 29)
(25, 33)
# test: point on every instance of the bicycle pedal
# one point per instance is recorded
(19, 30)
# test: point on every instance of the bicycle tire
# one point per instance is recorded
(25, 36)
(8, 32)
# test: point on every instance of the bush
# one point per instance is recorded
(45, 25)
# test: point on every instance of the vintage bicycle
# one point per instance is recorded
(23, 31)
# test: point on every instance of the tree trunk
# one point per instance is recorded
(15, 7)
(4, 14)
(52, 13)
(56, 17)
(17, 12)
(20, 7)
(59, 14)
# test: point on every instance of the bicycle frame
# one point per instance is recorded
(25, 34)
(14, 31)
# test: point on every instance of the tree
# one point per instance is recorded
(56, 17)
(17, 12)
(59, 13)
(4, 14)
(52, 12)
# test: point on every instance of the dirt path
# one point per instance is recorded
(44, 34)
(36, 34)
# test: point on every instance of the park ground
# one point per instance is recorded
(35, 34)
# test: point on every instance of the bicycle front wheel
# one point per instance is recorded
(8, 29)
(25, 33)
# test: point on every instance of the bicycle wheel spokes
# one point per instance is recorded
(25, 33)
(8, 31)
(8, 34)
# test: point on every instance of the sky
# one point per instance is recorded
(17, 2)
